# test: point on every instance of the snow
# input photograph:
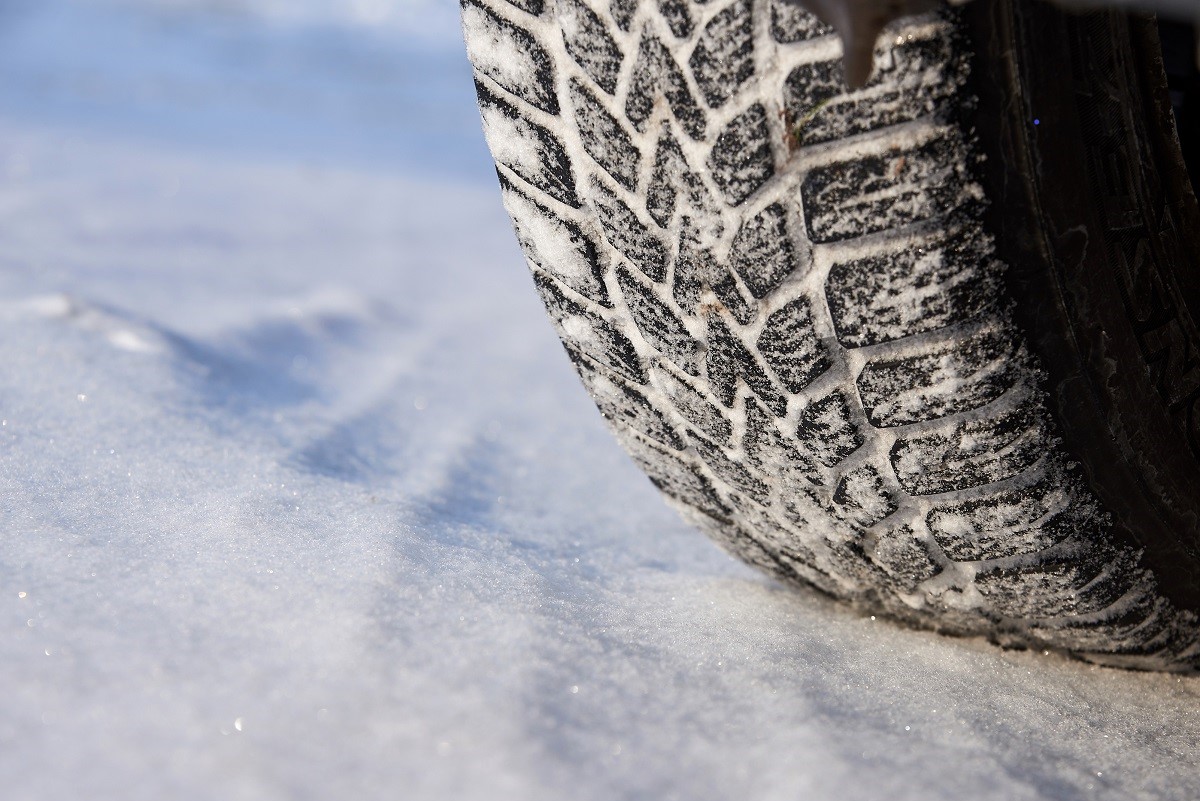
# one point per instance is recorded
(300, 498)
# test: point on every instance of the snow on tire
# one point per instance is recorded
(782, 299)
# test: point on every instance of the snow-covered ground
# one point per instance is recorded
(299, 497)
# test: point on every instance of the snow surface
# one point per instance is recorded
(301, 499)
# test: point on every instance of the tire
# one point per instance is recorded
(788, 303)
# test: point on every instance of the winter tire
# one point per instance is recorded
(792, 304)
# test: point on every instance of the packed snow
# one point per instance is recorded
(302, 500)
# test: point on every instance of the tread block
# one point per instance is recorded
(529, 150)
(771, 454)
(555, 245)
(659, 325)
(624, 406)
(904, 557)
(585, 334)
(805, 511)
(589, 43)
(975, 453)
(942, 381)
(723, 285)
(694, 407)
(762, 252)
(728, 360)
(1013, 523)
(854, 564)
(622, 12)
(809, 91)
(1077, 587)
(867, 194)
(724, 56)
(510, 56)
(912, 82)
(677, 17)
(827, 430)
(690, 274)
(603, 137)
(728, 469)
(656, 74)
(534, 7)
(862, 497)
(942, 282)
(789, 344)
(741, 160)
(697, 270)
(671, 178)
(677, 479)
(791, 23)
(628, 234)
